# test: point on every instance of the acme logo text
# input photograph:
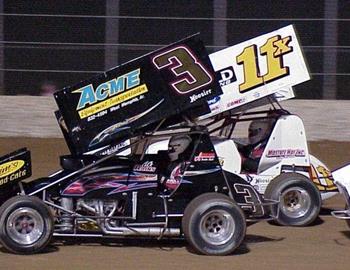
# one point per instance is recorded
(89, 96)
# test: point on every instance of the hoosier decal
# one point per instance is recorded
(204, 93)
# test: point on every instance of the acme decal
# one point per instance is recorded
(90, 96)
(10, 167)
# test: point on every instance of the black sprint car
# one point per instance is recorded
(146, 195)
(102, 191)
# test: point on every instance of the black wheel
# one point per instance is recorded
(214, 224)
(26, 225)
(300, 200)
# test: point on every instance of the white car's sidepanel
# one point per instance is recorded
(288, 143)
(342, 176)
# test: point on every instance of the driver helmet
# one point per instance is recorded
(177, 145)
(259, 130)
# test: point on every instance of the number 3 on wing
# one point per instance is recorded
(189, 73)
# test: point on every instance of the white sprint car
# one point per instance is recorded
(253, 74)
(285, 170)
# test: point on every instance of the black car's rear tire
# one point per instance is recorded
(214, 224)
(26, 225)
(300, 200)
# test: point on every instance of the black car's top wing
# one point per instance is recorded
(119, 103)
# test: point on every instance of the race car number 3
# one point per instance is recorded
(274, 49)
(189, 73)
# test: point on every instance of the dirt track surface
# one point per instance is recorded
(325, 245)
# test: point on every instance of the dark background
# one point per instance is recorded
(137, 36)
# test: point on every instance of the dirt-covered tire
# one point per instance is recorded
(26, 225)
(300, 200)
(214, 224)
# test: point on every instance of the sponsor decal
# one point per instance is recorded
(262, 180)
(172, 183)
(274, 50)
(258, 180)
(285, 153)
(256, 95)
(226, 76)
(203, 94)
(120, 126)
(176, 178)
(323, 178)
(10, 167)
(109, 94)
(115, 148)
(204, 157)
(11, 171)
(145, 167)
(214, 100)
(235, 102)
(215, 108)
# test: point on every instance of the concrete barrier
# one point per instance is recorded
(30, 116)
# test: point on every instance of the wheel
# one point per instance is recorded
(26, 225)
(300, 200)
(213, 224)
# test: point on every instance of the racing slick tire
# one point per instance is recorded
(26, 225)
(214, 224)
(300, 200)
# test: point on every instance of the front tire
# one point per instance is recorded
(214, 224)
(26, 225)
(300, 200)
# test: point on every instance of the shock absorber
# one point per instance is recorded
(66, 218)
